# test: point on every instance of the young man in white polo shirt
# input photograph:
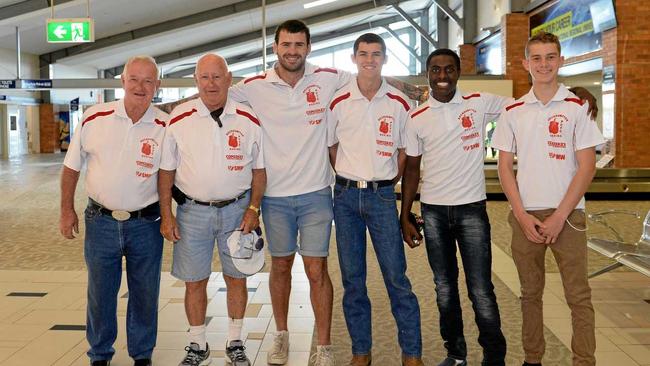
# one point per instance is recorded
(212, 163)
(550, 132)
(365, 123)
(120, 144)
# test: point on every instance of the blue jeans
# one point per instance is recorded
(106, 242)
(469, 226)
(354, 210)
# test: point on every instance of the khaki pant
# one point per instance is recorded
(570, 252)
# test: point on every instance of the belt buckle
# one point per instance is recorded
(121, 215)
(362, 184)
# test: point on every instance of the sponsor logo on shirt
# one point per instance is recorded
(311, 94)
(555, 124)
(234, 157)
(385, 125)
(234, 139)
(148, 147)
(466, 118)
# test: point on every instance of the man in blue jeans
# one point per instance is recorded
(448, 133)
(365, 133)
(120, 144)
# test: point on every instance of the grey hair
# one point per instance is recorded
(141, 58)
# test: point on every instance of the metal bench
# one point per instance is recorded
(633, 255)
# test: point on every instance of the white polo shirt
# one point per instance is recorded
(293, 125)
(212, 163)
(451, 139)
(545, 139)
(121, 157)
(368, 132)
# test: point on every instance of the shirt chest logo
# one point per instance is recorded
(148, 147)
(234, 139)
(385, 125)
(555, 124)
(466, 118)
(312, 94)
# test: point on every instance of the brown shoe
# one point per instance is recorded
(411, 361)
(361, 360)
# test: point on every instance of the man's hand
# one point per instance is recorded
(586, 96)
(409, 233)
(530, 224)
(69, 223)
(553, 226)
(250, 221)
(169, 228)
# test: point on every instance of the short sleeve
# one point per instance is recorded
(332, 122)
(238, 92)
(170, 158)
(413, 143)
(504, 137)
(586, 132)
(75, 156)
(257, 150)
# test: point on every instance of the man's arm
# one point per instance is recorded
(333, 150)
(401, 163)
(168, 227)
(169, 107)
(586, 159)
(421, 94)
(410, 182)
(528, 222)
(69, 221)
(251, 219)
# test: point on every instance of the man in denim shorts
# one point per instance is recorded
(212, 165)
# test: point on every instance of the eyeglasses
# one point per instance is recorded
(248, 249)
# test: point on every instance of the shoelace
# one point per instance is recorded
(277, 343)
(238, 353)
(319, 358)
(193, 357)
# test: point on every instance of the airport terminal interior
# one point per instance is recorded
(58, 58)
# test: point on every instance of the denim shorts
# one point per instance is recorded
(307, 216)
(199, 227)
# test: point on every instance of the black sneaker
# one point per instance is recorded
(142, 362)
(236, 354)
(531, 364)
(196, 357)
(449, 361)
(101, 363)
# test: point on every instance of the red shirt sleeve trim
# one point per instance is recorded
(514, 106)
(338, 99)
(575, 100)
(399, 99)
(254, 78)
(181, 116)
(248, 115)
(159, 122)
(98, 114)
(419, 112)
(326, 69)
(475, 95)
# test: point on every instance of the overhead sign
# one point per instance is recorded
(36, 84)
(7, 84)
(71, 30)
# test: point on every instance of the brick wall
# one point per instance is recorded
(467, 59)
(48, 128)
(514, 35)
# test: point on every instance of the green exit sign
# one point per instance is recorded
(72, 30)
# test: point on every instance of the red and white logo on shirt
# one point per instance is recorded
(466, 118)
(148, 147)
(234, 139)
(555, 124)
(311, 94)
(385, 125)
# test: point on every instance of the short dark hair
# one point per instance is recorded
(369, 38)
(292, 26)
(444, 52)
(543, 37)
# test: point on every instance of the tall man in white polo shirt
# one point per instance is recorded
(291, 100)
(366, 122)
(550, 132)
(212, 161)
(120, 144)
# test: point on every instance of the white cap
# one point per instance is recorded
(246, 255)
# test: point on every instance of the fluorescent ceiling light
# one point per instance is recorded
(317, 3)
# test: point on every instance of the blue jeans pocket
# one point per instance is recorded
(90, 213)
(386, 194)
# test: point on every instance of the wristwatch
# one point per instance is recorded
(256, 209)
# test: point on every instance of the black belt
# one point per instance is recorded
(219, 204)
(119, 215)
(362, 183)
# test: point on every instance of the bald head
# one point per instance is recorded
(213, 80)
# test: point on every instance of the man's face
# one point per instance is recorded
(443, 76)
(543, 62)
(369, 59)
(292, 50)
(213, 80)
(140, 83)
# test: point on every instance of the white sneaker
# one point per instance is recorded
(323, 357)
(279, 352)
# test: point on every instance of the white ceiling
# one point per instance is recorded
(117, 16)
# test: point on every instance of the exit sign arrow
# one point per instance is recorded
(71, 30)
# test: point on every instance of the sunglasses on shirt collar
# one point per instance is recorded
(215, 116)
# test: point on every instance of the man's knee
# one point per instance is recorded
(282, 265)
(196, 288)
(316, 270)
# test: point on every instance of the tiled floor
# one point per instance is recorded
(42, 319)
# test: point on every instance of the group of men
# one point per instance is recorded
(262, 146)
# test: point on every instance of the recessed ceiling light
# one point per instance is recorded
(317, 3)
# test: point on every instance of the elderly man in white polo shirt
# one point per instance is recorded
(213, 166)
(120, 143)
(366, 137)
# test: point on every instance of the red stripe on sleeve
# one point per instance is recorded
(399, 99)
(98, 114)
(338, 99)
(514, 106)
(475, 95)
(248, 115)
(419, 111)
(159, 122)
(181, 116)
